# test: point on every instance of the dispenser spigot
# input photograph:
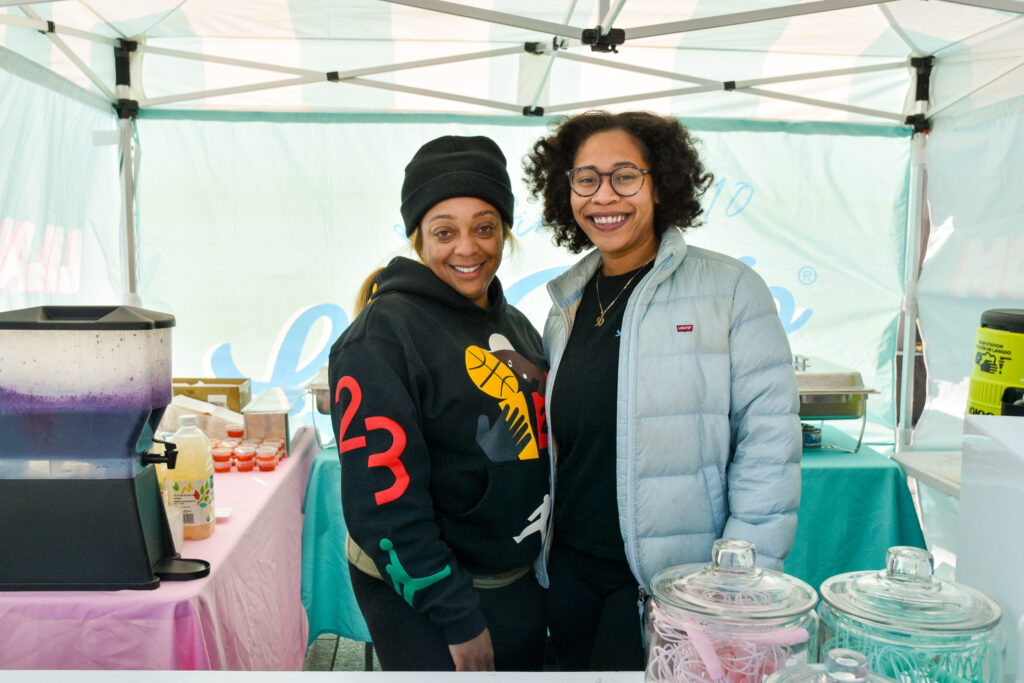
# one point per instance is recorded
(170, 455)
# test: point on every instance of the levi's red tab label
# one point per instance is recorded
(684, 328)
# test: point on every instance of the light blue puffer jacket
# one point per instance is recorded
(708, 438)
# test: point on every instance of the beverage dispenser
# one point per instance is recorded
(82, 389)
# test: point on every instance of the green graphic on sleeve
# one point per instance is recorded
(405, 584)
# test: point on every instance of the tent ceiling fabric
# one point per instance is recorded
(821, 60)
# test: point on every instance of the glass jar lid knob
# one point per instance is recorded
(733, 555)
(843, 664)
(906, 563)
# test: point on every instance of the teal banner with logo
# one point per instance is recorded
(256, 232)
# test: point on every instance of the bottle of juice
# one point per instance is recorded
(190, 483)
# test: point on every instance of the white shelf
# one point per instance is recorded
(938, 469)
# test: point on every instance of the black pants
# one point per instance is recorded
(406, 640)
(592, 612)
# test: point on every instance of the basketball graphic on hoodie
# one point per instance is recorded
(489, 374)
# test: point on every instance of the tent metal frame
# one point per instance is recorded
(70, 54)
(354, 76)
(566, 36)
(351, 76)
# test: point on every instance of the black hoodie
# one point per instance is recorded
(438, 411)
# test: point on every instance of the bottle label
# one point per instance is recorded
(194, 498)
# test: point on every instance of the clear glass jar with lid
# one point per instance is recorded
(912, 626)
(841, 666)
(728, 620)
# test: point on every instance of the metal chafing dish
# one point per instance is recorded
(320, 392)
(320, 397)
(831, 392)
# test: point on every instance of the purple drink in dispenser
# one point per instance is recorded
(81, 390)
(728, 621)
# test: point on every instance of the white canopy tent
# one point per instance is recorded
(828, 103)
(823, 60)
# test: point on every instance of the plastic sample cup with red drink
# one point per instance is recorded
(266, 457)
(245, 457)
(222, 458)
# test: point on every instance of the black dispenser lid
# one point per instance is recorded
(84, 318)
(1008, 319)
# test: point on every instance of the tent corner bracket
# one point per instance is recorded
(123, 50)
(603, 42)
(127, 109)
(923, 69)
(533, 111)
(920, 123)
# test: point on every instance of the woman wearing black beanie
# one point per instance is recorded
(438, 410)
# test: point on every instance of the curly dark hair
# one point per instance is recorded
(679, 177)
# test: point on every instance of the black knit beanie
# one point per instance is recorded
(455, 166)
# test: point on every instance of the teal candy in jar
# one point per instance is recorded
(911, 625)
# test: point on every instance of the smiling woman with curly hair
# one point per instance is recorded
(678, 177)
(671, 399)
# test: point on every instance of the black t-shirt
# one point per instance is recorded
(582, 417)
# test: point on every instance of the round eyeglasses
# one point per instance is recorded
(626, 181)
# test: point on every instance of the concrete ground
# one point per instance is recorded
(333, 653)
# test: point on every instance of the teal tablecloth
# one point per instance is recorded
(326, 589)
(854, 506)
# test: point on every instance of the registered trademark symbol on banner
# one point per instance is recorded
(807, 275)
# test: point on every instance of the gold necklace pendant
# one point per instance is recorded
(597, 288)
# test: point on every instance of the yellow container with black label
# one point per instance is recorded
(998, 360)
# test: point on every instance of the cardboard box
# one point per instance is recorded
(226, 392)
(266, 417)
(213, 420)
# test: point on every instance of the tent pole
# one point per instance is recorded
(127, 109)
(556, 45)
(939, 108)
(760, 92)
(494, 104)
(342, 75)
(1001, 5)
(591, 104)
(126, 138)
(769, 14)
(310, 76)
(493, 17)
(50, 27)
(749, 83)
(911, 264)
(608, 17)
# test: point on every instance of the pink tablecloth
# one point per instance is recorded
(246, 615)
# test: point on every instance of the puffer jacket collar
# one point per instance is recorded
(567, 289)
